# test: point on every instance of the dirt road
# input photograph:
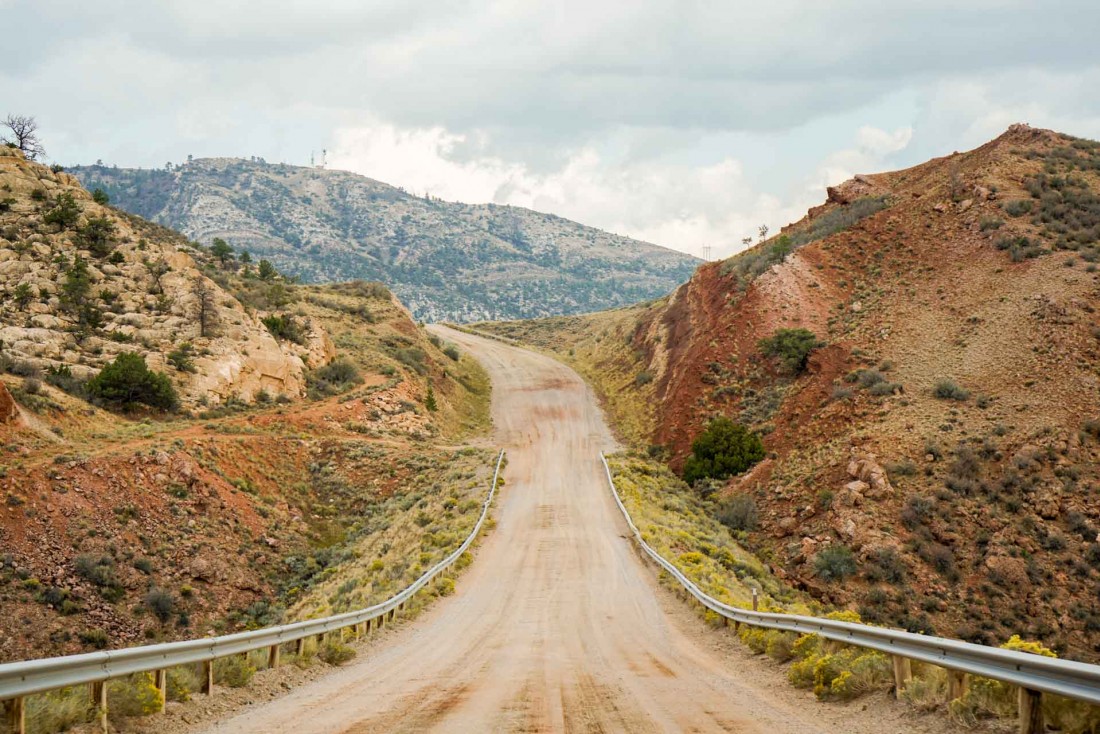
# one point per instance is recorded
(557, 626)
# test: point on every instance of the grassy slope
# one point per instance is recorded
(292, 492)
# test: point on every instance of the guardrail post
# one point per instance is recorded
(956, 684)
(16, 715)
(1031, 712)
(207, 685)
(903, 671)
(273, 656)
(755, 600)
(299, 646)
(160, 680)
(99, 703)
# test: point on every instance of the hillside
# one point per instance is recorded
(946, 429)
(444, 260)
(126, 523)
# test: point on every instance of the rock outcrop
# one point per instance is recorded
(70, 301)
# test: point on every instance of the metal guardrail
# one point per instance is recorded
(37, 676)
(1030, 672)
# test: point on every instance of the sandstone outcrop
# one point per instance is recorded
(145, 294)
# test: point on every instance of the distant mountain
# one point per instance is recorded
(446, 261)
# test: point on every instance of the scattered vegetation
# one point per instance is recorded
(747, 266)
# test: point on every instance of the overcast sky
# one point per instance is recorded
(682, 123)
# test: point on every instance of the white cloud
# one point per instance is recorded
(684, 124)
(675, 204)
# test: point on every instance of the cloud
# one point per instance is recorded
(682, 123)
(667, 202)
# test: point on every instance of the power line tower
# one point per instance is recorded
(706, 253)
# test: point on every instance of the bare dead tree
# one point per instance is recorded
(23, 134)
(206, 310)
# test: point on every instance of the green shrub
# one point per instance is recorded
(182, 682)
(182, 357)
(234, 671)
(1018, 207)
(100, 571)
(739, 512)
(100, 196)
(884, 564)
(335, 653)
(452, 351)
(834, 563)
(722, 450)
(946, 389)
(97, 235)
(59, 710)
(285, 327)
(96, 638)
(23, 294)
(128, 381)
(332, 379)
(161, 603)
(65, 213)
(136, 695)
(791, 347)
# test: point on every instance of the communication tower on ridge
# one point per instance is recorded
(706, 253)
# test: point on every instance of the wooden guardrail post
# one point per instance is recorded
(15, 713)
(299, 646)
(207, 685)
(99, 704)
(755, 600)
(1031, 711)
(956, 684)
(160, 680)
(273, 656)
(903, 671)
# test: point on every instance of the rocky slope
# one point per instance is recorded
(304, 439)
(81, 282)
(946, 431)
(446, 261)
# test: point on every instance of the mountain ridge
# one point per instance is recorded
(445, 260)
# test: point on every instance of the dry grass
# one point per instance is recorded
(405, 535)
(680, 526)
